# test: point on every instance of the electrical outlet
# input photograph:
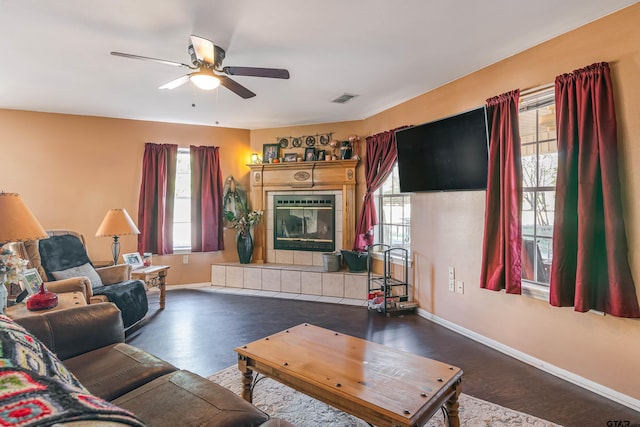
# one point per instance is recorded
(460, 287)
(185, 259)
(452, 273)
(452, 285)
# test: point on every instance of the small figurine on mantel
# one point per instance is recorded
(334, 144)
(354, 140)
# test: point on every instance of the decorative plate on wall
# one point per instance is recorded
(324, 139)
(310, 141)
(284, 142)
(296, 142)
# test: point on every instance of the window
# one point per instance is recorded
(182, 212)
(394, 213)
(539, 152)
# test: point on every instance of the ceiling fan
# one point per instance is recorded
(207, 59)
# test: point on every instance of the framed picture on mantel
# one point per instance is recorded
(290, 157)
(270, 152)
(309, 154)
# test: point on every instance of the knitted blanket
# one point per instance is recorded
(37, 390)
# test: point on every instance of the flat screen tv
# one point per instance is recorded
(451, 154)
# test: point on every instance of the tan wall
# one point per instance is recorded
(71, 170)
(447, 227)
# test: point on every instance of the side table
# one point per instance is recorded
(154, 275)
(65, 300)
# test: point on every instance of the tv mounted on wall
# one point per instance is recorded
(449, 154)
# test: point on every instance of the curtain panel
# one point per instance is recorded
(381, 155)
(501, 246)
(156, 201)
(590, 269)
(207, 231)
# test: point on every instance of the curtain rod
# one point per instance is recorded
(536, 89)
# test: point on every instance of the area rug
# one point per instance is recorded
(281, 401)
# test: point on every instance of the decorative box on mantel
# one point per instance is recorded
(330, 175)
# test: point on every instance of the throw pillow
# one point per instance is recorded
(82, 270)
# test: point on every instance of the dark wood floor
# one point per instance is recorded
(198, 331)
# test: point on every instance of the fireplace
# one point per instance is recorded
(304, 222)
(335, 178)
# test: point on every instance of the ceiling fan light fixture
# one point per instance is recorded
(205, 79)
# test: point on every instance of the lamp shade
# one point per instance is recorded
(117, 222)
(17, 223)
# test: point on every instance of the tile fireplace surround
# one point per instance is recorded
(294, 280)
(291, 271)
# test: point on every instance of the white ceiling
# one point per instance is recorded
(55, 54)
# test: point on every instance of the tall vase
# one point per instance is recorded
(245, 247)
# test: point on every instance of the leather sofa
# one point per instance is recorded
(89, 341)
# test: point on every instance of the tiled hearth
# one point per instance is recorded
(294, 281)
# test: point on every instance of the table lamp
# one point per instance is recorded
(18, 224)
(116, 223)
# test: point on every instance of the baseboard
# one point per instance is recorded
(585, 383)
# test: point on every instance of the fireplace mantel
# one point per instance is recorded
(331, 175)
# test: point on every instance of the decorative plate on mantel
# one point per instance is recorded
(310, 141)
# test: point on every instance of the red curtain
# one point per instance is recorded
(155, 205)
(590, 269)
(379, 161)
(206, 200)
(501, 246)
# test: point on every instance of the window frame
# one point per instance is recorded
(182, 152)
(535, 102)
(379, 198)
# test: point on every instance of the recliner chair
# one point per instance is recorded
(62, 261)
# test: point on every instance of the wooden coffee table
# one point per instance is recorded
(376, 383)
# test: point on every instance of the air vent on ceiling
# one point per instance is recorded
(345, 97)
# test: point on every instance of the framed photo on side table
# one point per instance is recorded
(31, 281)
(133, 259)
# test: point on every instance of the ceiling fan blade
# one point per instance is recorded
(146, 58)
(175, 83)
(274, 73)
(203, 49)
(236, 87)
